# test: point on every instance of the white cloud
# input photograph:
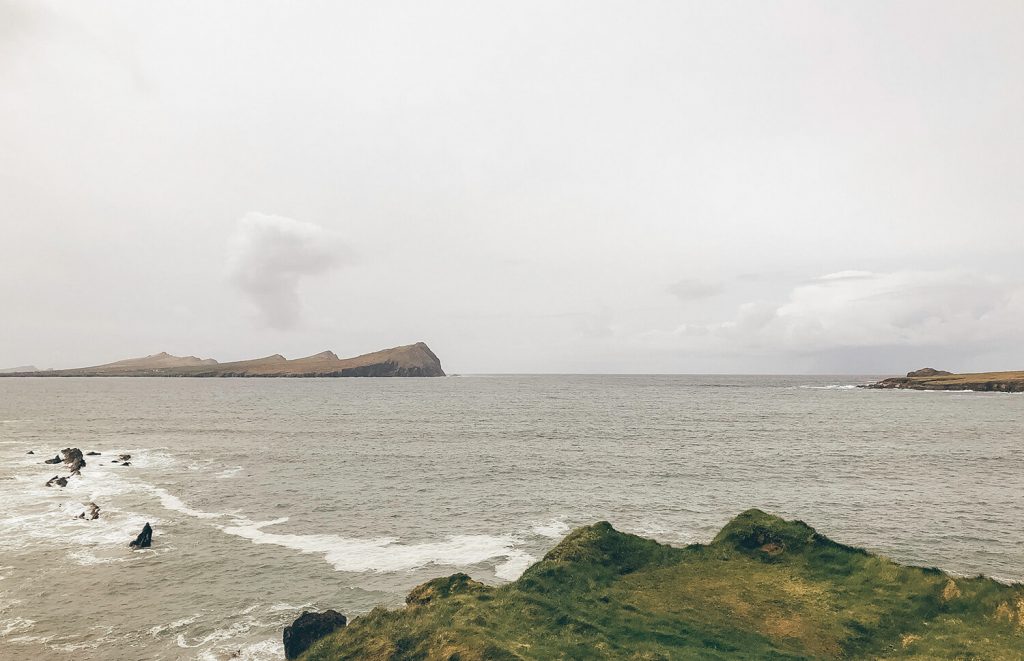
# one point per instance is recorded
(858, 309)
(268, 256)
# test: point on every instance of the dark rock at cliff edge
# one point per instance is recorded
(928, 371)
(145, 538)
(309, 628)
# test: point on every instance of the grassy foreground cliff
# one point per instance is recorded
(765, 588)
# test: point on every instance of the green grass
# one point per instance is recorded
(765, 588)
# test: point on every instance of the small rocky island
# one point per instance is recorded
(929, 378)
(765, 588)
(410, 360)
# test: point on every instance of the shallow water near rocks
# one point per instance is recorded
(268, 497)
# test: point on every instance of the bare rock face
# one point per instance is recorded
(144, 540)
(928, 371)
(309, 628)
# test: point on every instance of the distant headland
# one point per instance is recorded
(929, 378)
(410, 360)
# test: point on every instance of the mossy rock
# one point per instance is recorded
(765, 588)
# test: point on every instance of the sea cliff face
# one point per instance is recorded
(931, 379)
(410, 360)
(764, 588)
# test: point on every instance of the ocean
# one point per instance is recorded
(271, 496)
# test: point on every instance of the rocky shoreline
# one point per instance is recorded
(763, 588)
(932, 379)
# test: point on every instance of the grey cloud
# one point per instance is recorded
(692, 289)
(268, 257)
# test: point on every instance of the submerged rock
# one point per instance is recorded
(124, 457)
(145, 538)
(30, 452)
(309, 628)
(127, 463)
(93, 454)
(55, 460)
(92, 512)
(58, 480)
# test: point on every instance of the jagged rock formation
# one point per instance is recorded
(928, 371)
(931, 379)
(308, 628)
(74, 459)
(144, 540)
(411, 360)
(765, 588)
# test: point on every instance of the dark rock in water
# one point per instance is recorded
(127, 463)
(30, 452)
(928, 371)
(55, 460)
(74, 459)
(124, 457)
(145, 538)
(58, 480)
(92, 513)
(93, 454)
(309, 628)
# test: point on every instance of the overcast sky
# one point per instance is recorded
(526, 186)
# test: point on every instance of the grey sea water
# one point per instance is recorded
(271, 496)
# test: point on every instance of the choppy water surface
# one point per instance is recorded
(270, 496)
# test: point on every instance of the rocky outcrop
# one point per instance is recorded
(56, 460)
(58, 481)
(410, 360)
(928, 371)
(30, 452)
(74, 459)
(309, 628)
(92, 512)
(764, 588)
(979, 382)
(144, 540)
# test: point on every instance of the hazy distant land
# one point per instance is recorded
(410, 360)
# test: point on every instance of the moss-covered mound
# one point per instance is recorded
(765, 588)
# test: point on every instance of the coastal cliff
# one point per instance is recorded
(410, 360)
(932, 379)
(764, 588)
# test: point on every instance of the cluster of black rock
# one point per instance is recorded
(75, 460)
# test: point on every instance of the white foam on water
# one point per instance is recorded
(554, 529)
(15, 625)
(847, 386)
(172, 502)
(386, 554)
(229, 472)
(177, 624)
(271, 649)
